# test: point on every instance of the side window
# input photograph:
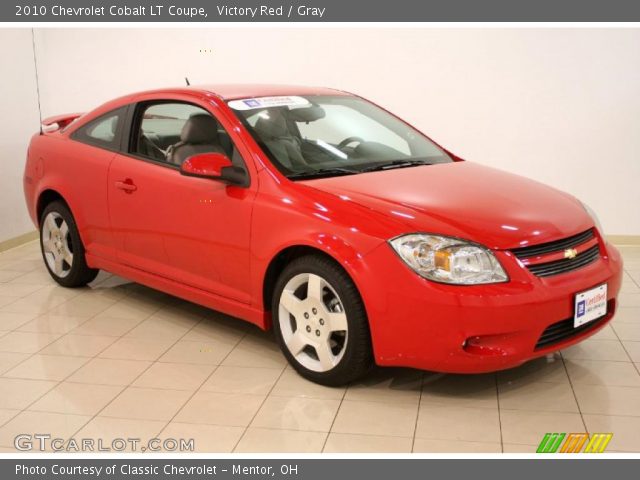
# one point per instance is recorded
(103, 131)
(171, 132)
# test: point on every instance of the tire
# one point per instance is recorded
(324, 334)
(62, 249)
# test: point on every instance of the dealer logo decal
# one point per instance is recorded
(573, 443)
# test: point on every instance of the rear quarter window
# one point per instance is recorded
(103, 131)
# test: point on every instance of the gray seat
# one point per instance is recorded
(199, 135)
(274, 132)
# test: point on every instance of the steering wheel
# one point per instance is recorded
(349, 140)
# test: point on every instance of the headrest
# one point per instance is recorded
(272, 125)
(307, 114)
(200, 128)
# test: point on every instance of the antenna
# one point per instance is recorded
(35, 65)
(187, 80)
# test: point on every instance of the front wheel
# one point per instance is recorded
(320, 322)
(62, 249)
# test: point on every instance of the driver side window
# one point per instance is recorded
(171, 132)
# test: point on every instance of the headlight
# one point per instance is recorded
(448, 260)
(594, 217)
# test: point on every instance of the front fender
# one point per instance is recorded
(279, 226)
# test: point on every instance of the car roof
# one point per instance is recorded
(226, 92)
(238, 90)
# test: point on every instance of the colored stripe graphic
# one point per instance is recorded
(574, 442)
(550, 442)
(598, 442)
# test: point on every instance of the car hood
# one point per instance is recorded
(498, 209)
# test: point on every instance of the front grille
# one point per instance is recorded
(566, 264)
(563, 265)
(556, 246)
(564, 330)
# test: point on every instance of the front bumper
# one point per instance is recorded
(473, 329)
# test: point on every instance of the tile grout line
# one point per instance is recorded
(58, 383)
(276, 429)
(124, 387)
(25, 409)
(66, 334)
(41, 314)
(43, 286)
(62, 335)
(198, 389)
(632, 277)
(495, 376)
(415, 427)
(635, 365)
(575, 397)
(233, 450)
(22, 275)
(326, 439)
(38, 314)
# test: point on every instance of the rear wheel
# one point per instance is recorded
(62, 249)
(320, 321)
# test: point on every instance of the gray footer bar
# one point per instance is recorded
(312, 469)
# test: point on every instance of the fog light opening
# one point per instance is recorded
(483, 345)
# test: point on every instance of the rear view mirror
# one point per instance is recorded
(215, 166)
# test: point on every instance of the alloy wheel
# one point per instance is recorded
(313, 322)
(56, 244)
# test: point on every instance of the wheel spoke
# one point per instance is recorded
(296, 343)
(291, 303)
(57, 264)
(325, 356)
(337, 321)
(64, 229)
(50, 223)
(314, 287)
(67, 256)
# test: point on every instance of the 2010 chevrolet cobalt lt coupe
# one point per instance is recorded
(318, 213)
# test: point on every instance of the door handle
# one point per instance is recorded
(127, 185)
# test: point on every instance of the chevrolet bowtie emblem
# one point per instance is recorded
(570, 253)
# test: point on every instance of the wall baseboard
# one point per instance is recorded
(620, 240)
(625, 240)
(19, 240)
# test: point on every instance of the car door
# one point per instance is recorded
(192, 230)
(94, 146)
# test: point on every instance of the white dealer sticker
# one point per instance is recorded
(590, 305)
(268, 102)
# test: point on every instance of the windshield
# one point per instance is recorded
(320, 135)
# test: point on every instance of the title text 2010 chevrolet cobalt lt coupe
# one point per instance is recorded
(318, 213)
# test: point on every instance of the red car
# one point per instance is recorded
(317, 212)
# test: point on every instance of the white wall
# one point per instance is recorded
(558, 105)
(18, 121)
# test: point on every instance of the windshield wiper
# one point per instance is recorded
(323, 172)
(395, 164)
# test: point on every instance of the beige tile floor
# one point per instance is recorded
(117, 359)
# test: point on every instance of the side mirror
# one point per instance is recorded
(215, 166)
